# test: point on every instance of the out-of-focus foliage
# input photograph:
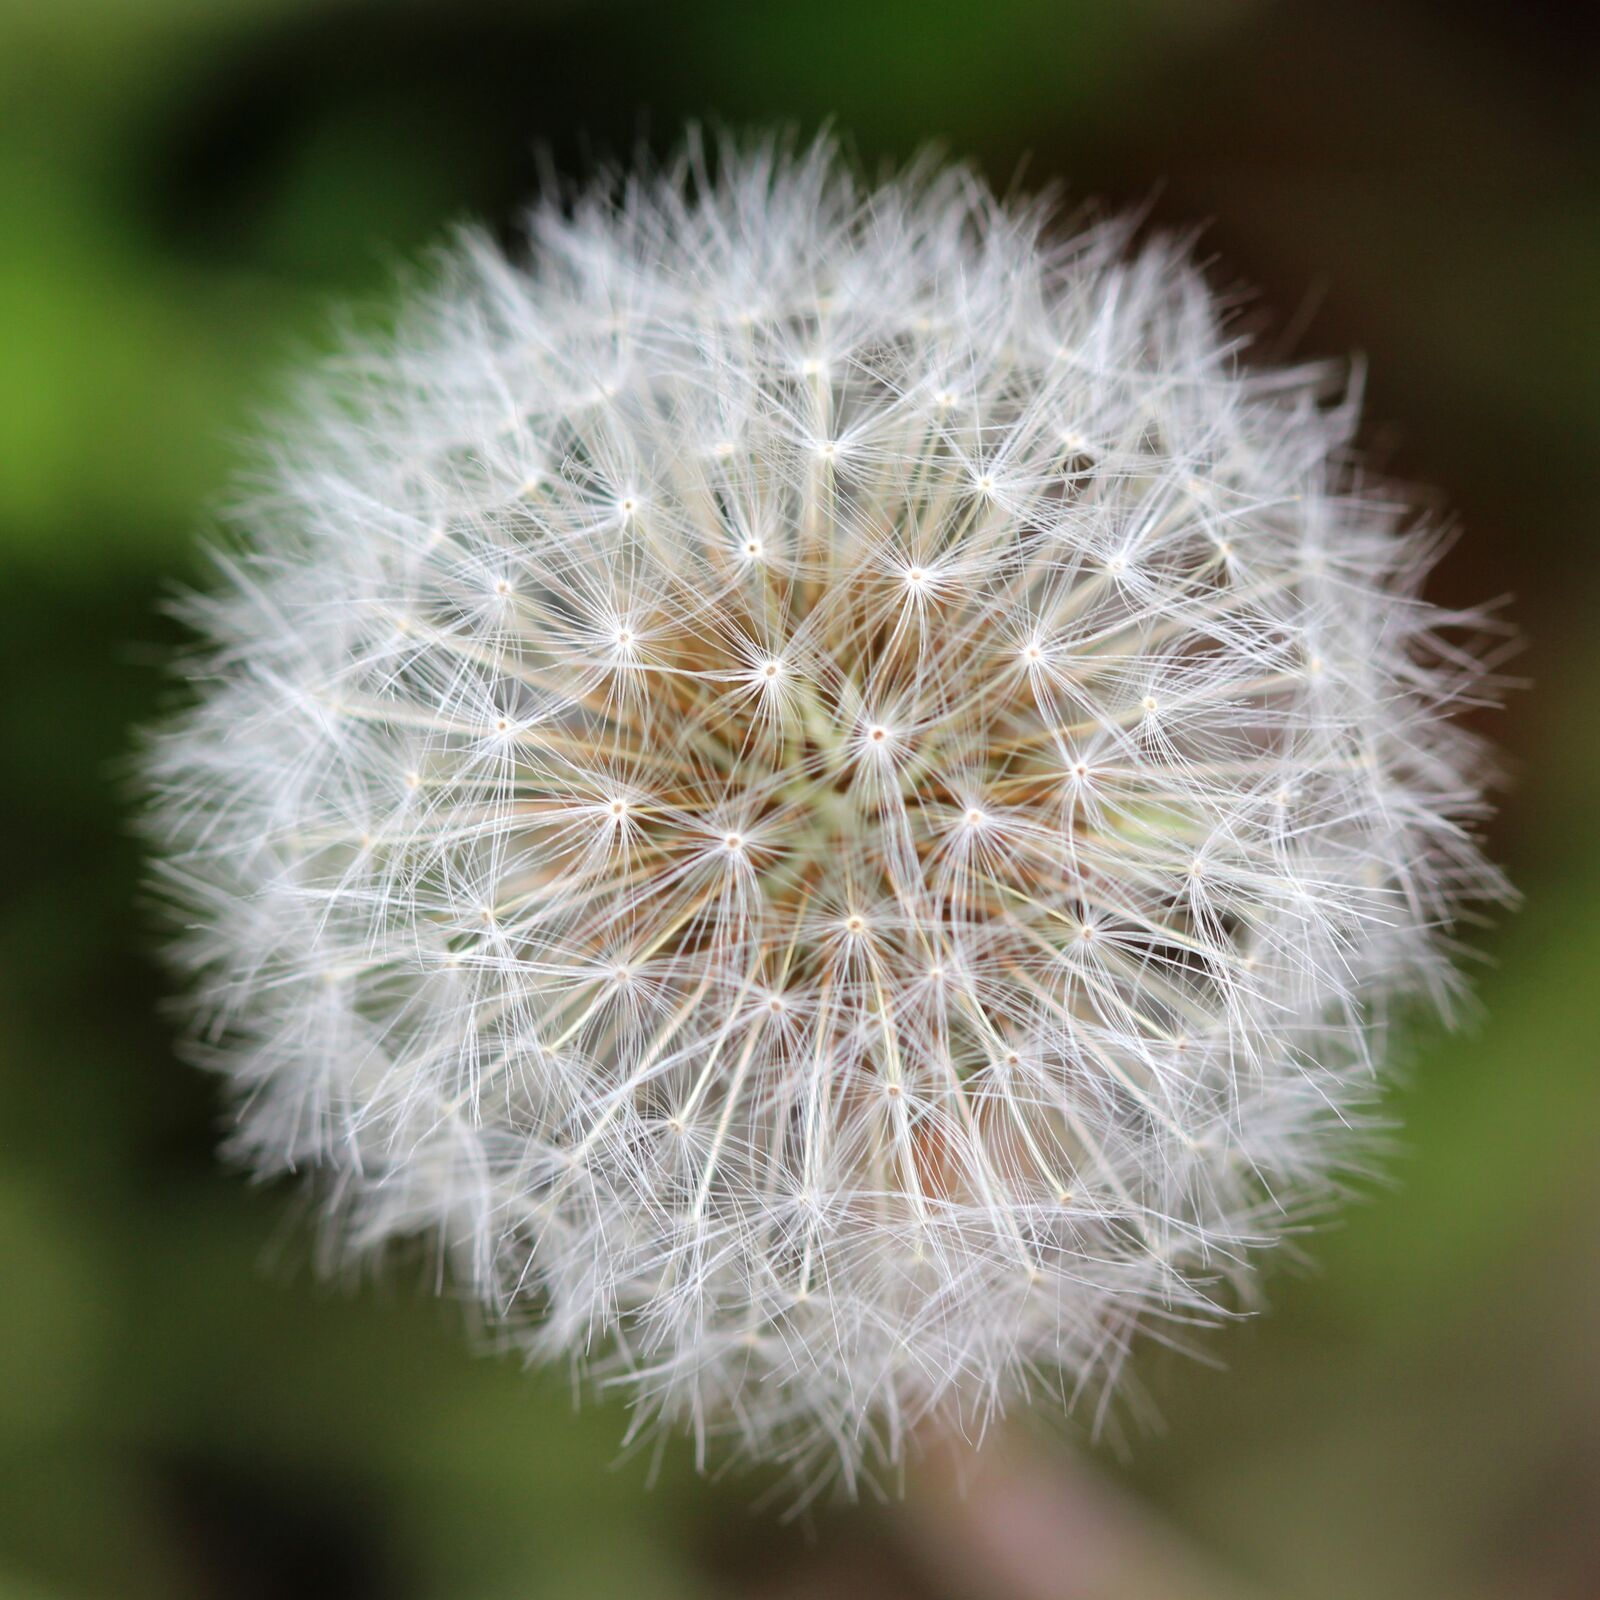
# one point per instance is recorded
(185, 187)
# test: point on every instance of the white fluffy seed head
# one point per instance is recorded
(823, 788)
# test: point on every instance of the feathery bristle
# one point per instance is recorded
(825, 787)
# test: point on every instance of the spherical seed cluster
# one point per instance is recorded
(822, 786)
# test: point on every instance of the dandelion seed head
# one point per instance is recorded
(877, 869)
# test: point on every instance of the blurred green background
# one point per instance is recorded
(186, 186)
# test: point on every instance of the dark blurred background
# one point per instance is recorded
(186, 187)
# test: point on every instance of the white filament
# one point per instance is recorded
(825, 788)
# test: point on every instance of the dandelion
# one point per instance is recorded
(824, 787)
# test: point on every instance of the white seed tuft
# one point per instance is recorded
(825, 790)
